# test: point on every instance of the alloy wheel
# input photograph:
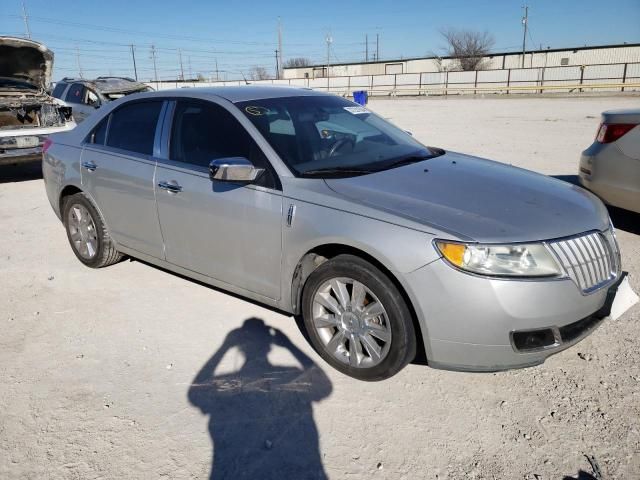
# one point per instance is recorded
(82, 231)
(351, 322)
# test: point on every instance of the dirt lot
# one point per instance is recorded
(97, 366)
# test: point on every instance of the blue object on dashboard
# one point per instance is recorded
(361, 97)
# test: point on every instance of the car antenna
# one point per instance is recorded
(243, 77)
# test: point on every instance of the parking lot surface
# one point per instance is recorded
(100, 369)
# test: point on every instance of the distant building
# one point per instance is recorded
(551, 57)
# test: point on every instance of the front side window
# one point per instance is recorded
(76, 93)
(133, 127)
(327, 135)
(203, 131)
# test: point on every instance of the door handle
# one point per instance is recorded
(90, 166)
(170, 187)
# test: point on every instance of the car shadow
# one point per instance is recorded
(582, 475)
(21, 172)
(622, 219)
(261, 415)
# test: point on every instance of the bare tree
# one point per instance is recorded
(259, 73)
(297, 62)
(468, 47)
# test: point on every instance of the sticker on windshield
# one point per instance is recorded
(356, 110)
(256, 110)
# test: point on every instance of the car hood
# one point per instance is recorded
(477, 199)
(26, 60)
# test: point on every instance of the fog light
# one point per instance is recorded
(533, 340)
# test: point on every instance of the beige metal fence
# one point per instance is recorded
(620, 77)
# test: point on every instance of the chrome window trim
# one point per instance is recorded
(134, 156)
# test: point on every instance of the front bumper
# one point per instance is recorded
(468, 321)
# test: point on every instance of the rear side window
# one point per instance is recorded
(133, 127)
(99, 133)
(59, 90)
(75, 93)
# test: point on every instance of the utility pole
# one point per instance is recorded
(377, 46)
(78, 60)
(25, 17)
(155, 68)
(133, 56)
(181, 66)
(328, 40)
(279, 51)
(217, 73)
(366, 48)
(190, 71)
(525, 21)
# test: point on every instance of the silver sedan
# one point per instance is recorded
(610, 167)
(312, 204)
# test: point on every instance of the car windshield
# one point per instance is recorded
(323, 136)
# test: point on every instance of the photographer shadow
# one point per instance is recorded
(261, 416)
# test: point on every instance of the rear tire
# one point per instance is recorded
(357, 319)
(87, 233)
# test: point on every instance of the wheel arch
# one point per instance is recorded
(67, 191)
(316, 256)
(72, 189)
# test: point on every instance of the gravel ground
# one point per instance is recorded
(98, 367)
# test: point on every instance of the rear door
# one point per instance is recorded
(226, 231)
(118, 169)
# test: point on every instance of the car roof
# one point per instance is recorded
(241, 93)
(108, 84)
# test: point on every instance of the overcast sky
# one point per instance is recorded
(241, 35)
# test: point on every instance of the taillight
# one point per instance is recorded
(610, 132)
(45, 146)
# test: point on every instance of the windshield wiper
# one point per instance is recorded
(405, 161)
(335, 171)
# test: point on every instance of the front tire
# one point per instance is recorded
(357, 320)
(87, 233)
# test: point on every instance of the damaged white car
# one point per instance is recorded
(85, 96)
(28, 114)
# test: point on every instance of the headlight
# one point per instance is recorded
(521, 260)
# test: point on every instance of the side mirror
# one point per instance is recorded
(234, 170)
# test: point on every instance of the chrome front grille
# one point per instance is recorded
(591, 260)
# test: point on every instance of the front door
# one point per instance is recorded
(226, 231)
(118, 170)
